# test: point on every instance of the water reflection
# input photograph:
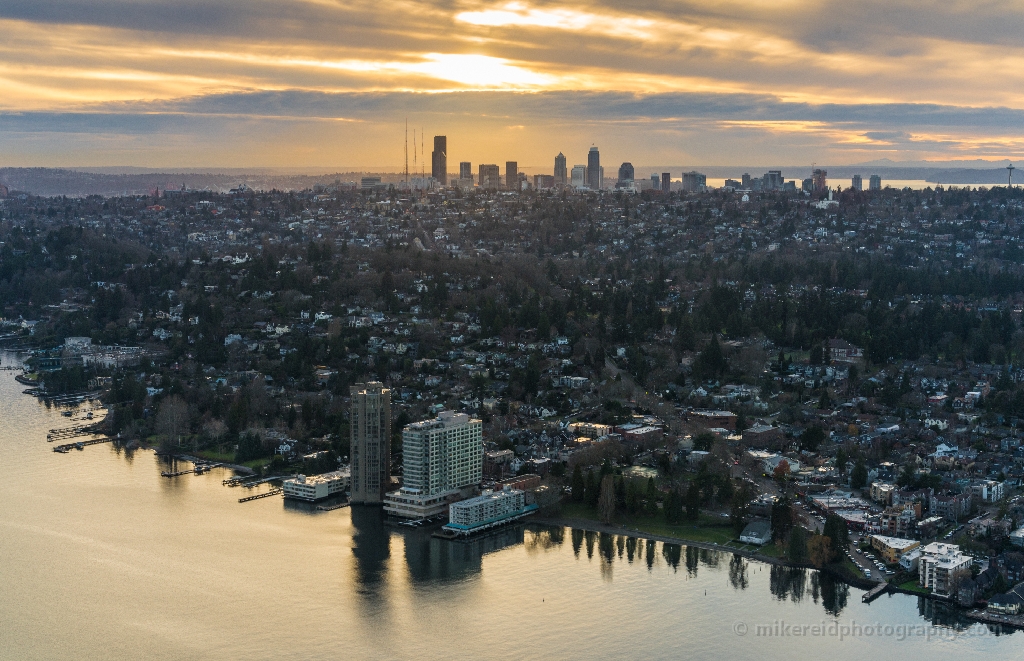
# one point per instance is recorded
(371, 545)
(787, 582)
(431, 559)
(738, 572)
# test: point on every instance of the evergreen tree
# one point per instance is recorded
(651, 498)
(578, 485)
(693, 501)
(859, 476)
(797, 549)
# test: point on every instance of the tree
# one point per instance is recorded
(835, 529)
(693, 501)
(781, 471)
(841, 459)
(781, 518)
(710, 362)
(250, 446)
(673, 507)
(579, 486)
(859, 476)
(740, 508)
(606, 501)
(703, 441)
(812, 438)
(172, 420)
(651, 498)
(593, 490)
(797, 551)
(819, 550)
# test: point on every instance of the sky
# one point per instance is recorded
(327, 83)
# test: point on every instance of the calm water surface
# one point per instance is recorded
(102, 558)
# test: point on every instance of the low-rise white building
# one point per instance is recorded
(317, 487)
(489, 509)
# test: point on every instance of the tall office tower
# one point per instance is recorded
(626, 173)
(655, 181)
(579, 176)
(561, 174)
(857, 183)
(594, 169)
(465, 170)
(746, 180)
(370, 423)
(512, 175)
(694, 181)
(819, 179)
(439, 160)
(772, 180)
(666, 182)
(875, 182)
(489, 177)
(442, 460)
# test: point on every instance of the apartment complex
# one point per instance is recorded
(939, 565)
(370, 421)
(442, 462)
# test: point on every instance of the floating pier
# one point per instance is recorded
(268, 494)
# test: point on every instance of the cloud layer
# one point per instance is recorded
(325, 82)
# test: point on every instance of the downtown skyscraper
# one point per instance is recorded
(594, 169)
(561, 173)
(439, 160)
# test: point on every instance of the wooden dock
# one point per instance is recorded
(67, 447)
(331, 508)
(64, 433)
(268, 494)
(875, 593)
(198, 469)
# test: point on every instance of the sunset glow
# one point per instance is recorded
(817, 71)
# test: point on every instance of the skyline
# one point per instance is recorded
(315, 83)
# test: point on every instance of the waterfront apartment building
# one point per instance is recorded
(316, 487)
(439, 160)
(561, 173)
(594, 169)
(442, 461)
(666, 182)
(875, 182)
(512, 175)
(938, 567)
(370, 423)
(489, 176)
(488, 510)
(857, 183)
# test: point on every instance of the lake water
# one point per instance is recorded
(102, 558)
